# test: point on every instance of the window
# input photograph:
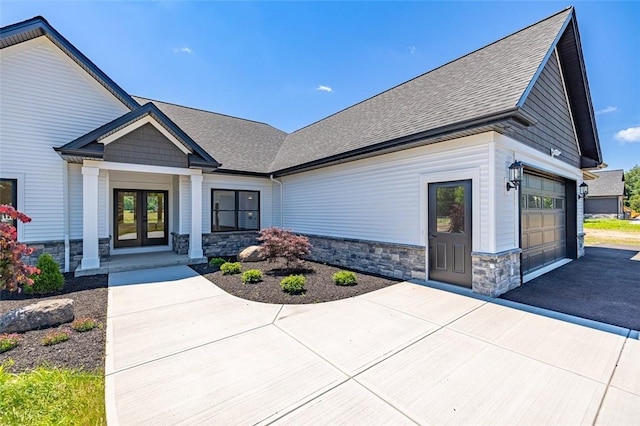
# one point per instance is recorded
(9, 195)
(235, 210)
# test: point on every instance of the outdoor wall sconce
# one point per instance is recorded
(515, 175)
(583, 190)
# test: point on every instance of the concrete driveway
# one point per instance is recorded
(182, 351)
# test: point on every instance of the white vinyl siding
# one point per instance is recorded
(47, 101)
(378, 198)
(237, 183)
(75, 201)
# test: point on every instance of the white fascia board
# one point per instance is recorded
(537, 159)
(141, 168)
(139, 123)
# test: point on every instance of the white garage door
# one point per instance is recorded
(544, 221)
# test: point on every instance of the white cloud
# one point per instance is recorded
(632, 134)
(324, 88)
(183, 50)
(412, 49)
(607, 110)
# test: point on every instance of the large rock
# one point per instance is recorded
(47, 313)
(251, 254)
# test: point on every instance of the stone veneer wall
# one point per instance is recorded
(56, 250)
(400, 261)
(180, 243)
(495, 274)
(581, 245)
(218, 243)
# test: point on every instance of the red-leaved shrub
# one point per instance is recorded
(278, 242)
(14, 273)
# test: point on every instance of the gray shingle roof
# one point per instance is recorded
(240, 145)
(609, 183)
(487, 81)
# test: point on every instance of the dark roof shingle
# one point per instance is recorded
(609, 183)
(487, 81)
(240, 145)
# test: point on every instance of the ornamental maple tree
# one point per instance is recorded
(278, 242)
(14, 273)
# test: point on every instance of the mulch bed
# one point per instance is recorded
(319, 286)
(84, 351)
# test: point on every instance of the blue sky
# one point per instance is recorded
(290, 64)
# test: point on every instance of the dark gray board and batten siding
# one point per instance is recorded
(145, 145)
(548, 104)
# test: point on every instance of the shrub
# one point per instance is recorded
(54, 337)
(84, 324)
(50, 278)
(8, 341)
(278, 242)
(231, 268)
(14, 273)
(217, 262)
(252, 276)
(293, 284)
(344, 278)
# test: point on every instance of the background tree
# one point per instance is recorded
(632, 186)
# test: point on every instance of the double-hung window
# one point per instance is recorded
(235, 210)
(8, 195)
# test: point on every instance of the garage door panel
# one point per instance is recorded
(543, 221)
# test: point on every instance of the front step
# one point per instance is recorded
(138, 261)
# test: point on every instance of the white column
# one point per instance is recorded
(195, 239)
(90, 252)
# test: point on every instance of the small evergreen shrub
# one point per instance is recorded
(293, 284)
(217, 262)
(278, 242)
(344, 278)
(50, 278)
(84, 324)
(252, 276)
(8, 341)
(231, 268)
(54, 337)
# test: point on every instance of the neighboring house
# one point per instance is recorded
(411, 183)
(606, 195)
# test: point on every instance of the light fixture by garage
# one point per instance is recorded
(583, 190)
(515, 175)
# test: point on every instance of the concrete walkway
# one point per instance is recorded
(182, 351)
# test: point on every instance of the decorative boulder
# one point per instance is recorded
(251, 254)
(47, 313)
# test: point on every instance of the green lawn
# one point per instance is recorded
(51, 396)
(611, 231)
(611, 225)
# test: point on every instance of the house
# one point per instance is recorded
(606, 195)
(411, 183)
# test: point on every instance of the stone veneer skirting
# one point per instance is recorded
(495, 274)
(217, 244)
(581, 245)
(56, 250)
(400, 261)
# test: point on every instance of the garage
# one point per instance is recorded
(543, 221)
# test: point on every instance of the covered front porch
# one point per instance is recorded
(114, 193)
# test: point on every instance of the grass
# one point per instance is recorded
(611, 231)
(51, 396)
(611, 225)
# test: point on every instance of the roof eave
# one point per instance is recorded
(513, 117)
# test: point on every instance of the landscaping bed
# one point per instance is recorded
(84, 350)
(319, 286)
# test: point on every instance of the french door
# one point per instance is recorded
(140, 218)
